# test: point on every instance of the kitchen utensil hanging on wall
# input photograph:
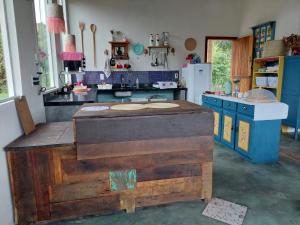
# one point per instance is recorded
(93, 29)
(81, 28)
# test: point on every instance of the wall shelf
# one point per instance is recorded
(159, 47)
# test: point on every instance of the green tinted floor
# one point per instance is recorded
(271, 193)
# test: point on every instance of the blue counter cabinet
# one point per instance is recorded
(235, 127)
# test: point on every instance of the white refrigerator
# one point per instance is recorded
(198, 79)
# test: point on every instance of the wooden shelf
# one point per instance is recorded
(267, 87)
(266, 72)
(263, 62)
(268, 59)
(159, 47)
(119, 42)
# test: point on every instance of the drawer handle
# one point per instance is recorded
(244, 108)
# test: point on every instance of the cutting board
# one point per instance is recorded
(24, 115)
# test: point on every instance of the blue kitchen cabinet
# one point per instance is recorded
(216, 106)
(255, 140)
(228, 128)
(291, 92)
(244, 135)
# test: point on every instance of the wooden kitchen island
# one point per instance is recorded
(120, 160)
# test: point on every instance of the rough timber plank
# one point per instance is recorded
(41, 179)
(92, 206)
(22, 187)
(142, 147)
(83, 190)
(71, 167)
(207, 180)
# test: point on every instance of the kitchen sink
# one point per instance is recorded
(123, 93)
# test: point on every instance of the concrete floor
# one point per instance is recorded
(271, 193)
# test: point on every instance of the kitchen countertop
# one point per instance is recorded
(55, 99)
(71, 98)
(262, 111)
(184, 108)
(45, 136)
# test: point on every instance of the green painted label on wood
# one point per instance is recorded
(122, 180)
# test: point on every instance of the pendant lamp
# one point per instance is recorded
(55, 18)
(69, 43)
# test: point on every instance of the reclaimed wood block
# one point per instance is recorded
(22, 187)
(73, 167)
(83, 190)
(142, 147)
(90, 206)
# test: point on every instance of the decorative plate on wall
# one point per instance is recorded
(138, 48)
(190, 44)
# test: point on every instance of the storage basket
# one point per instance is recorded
(262, 81)
(272, 81)
(274, 48)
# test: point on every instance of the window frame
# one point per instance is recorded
(51, 45)
(6, 52)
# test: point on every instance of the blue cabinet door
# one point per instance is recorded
(217, 120)
(217, 123)
(244, 128)
(228, 128)
(291, 78)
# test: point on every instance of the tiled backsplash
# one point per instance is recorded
(145, 77)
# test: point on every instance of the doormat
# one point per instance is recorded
(225, 211)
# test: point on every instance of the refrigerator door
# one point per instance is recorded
(202, 81)
(188, 75)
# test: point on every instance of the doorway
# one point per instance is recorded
(218, 52)
(231, 58)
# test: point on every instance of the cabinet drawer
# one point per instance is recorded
(246, 109)
(214, 101)
(229, 105)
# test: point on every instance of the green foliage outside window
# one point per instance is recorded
(221, 63)
(43, 55)
(3, 84)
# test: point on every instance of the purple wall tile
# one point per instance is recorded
(145, 77)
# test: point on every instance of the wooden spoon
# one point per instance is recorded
(81, 27)
(93, 29)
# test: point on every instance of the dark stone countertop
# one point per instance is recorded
(72, 98)
(58, 99)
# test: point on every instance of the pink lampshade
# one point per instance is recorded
(55, 18)
(69, 43)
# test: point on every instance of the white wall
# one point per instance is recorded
(286, 13)
(138, 18)
(22, 31)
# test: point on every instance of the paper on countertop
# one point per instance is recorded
(94, 108)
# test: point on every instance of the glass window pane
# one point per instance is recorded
(44, 47)
(3, 81)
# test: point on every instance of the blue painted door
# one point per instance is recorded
(244, 126)
(228, 128)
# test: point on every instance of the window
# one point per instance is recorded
(3, 81)
(219, 54)
(6, 84)
(44, 43)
